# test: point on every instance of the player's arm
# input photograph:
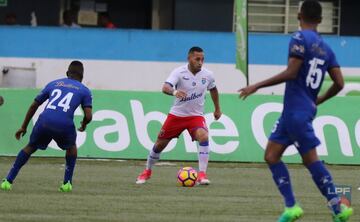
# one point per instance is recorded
(215, 98)
(294, 65)
(87, 118)
(335, 88)
(29, 115)
(169, 90)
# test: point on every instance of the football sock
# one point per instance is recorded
(69, 168)
(21, 159)
(152, 158)
(281, 178)
(203, 155)
(324, 182)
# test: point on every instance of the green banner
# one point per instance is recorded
(241, 36)
(351, 88)
(125, 125)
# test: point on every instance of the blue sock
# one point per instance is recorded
(21, 159)
(324, 182)
(282, 180)
(69, 168)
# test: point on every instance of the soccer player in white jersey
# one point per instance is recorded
(188, 83)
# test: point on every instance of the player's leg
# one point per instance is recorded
(153, 157)
(280, 173)
(155, 152)
(173, 126)
(39, 139)
(281, 177)
(197, 128)
(278, 141)
(66, 140)
(301, 130)
(21, 159)
(70, 157)
(324, 182)
(201, 135)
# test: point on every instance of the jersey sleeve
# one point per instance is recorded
(333, 63)
(297, 46)
(87, 99)
(211, 84)
(173, 78)
(44, 94)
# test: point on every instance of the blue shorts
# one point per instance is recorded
(43, 133)
(295, 128)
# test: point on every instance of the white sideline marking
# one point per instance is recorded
(105, 160)
(165, 164)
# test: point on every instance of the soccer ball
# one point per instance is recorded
(186, 177)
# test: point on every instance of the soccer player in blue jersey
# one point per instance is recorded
(309, 58)
(55, 122)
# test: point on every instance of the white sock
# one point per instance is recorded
(203, 156)
(152, 159)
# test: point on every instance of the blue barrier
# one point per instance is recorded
(148, 45)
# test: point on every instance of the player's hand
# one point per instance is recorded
(180, 94)
(20, 133)
(247, 91)
(217, 114)
(82, 128)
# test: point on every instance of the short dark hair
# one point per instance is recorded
(76, 68)
(311, 11)
(195, 49)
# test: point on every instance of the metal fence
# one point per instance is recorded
(281, 16)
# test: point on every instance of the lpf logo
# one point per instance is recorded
(344, 192)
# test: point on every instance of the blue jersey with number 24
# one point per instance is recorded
(64, 95)
(318, 58)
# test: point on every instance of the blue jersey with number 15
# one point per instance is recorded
(318, 58)
(64, 95)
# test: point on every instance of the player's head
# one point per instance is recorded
(195, 58)
(310, 12)
(75, 70)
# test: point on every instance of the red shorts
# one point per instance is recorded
(174, 125)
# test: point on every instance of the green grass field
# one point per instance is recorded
(106, 191)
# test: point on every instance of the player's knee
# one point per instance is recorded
(29, 150)
(160, 145)
(271, 158)
(71, 151)
(158, 148)
(310, 157)
(203, 139)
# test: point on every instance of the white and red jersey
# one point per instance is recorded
(195, 87)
